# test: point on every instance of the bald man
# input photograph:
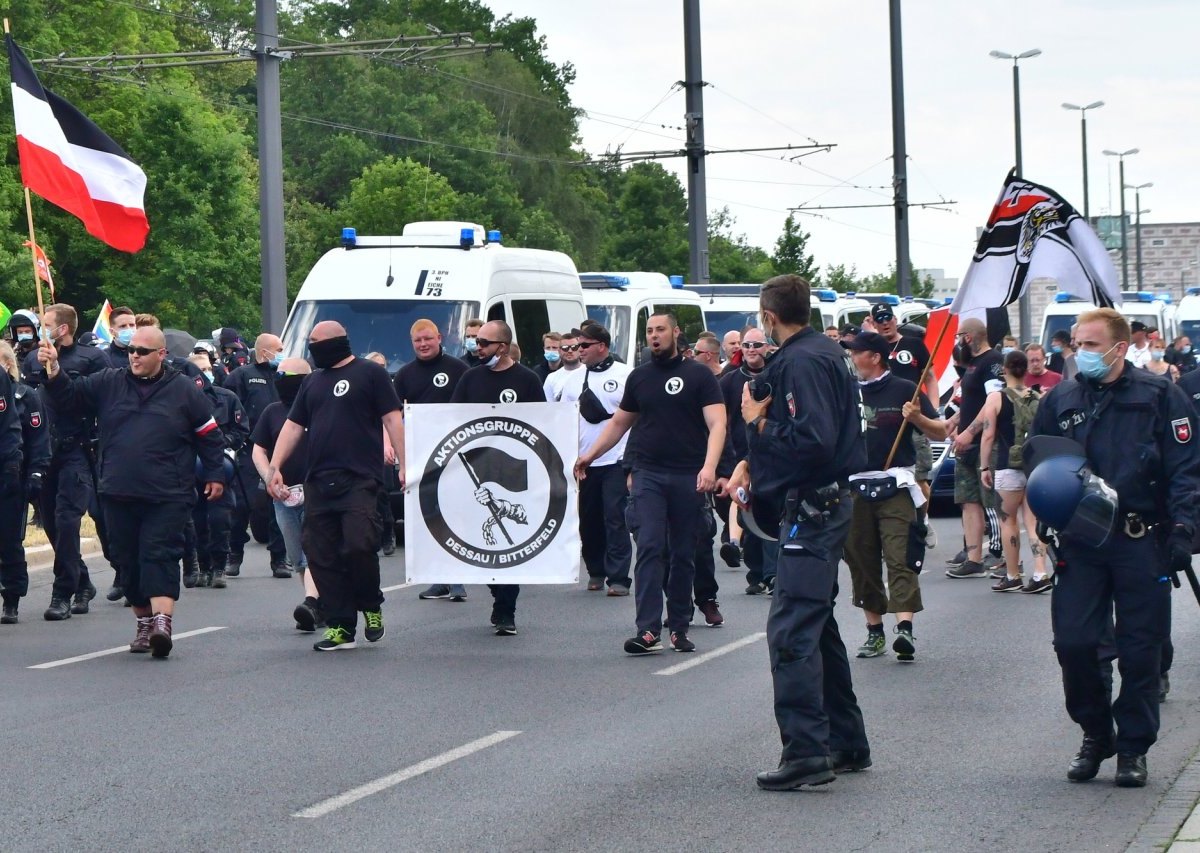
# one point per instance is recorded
(345, 405)
(984, 374)
(154, 423)
(289, 511)
(254, 385)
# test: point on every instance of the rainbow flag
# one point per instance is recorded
(102, 329)
(5, 314)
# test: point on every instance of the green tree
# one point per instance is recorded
(791, 252)
(841, 279)
(397, 191)
(649, 231)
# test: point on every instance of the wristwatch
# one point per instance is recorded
(754, 423)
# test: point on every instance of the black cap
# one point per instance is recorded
(1137, 326)
(229, 337)
(882, 312)
(593, 332)
(869, 342)
(850, 329)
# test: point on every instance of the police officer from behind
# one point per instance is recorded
(254, 385)
(498, 379)
(804, 423)
(345, 405)
(153, 424)
(675, 410)
(69, 487)
(1137, 432)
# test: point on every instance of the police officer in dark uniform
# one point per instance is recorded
(212, 519)
(1138, 433)
(805, 429)
(69, 488)
(23, 326)
(254, 385)
(34, 446)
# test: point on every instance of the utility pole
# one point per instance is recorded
(899, 156)
(693, 85)
(270, 166)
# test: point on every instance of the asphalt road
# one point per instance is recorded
(551, 740)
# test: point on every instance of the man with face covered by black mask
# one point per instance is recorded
(345, 406)
(289, 511)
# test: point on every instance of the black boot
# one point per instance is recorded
(218, 576)
(59, 609)
(1086, 763)
(191, 569)
(850, 760)
(280, 569)
(9, 616)
(797, 773)
(1131, 770)
(233, 567)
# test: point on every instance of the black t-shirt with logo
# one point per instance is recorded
(883, 405)
(985, 373)
(669, 399)
(343, 409)
(516, 384)
(908, 359)
(266, 433)
(430, 381)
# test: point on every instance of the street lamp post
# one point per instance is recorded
(1121, 155)
(1094, 105)
(1137, 228)
(1026, 324)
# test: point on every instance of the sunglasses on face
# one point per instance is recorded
(143, 350)
(569, 347)
(587, 344)
(753, 344)
(484, 342)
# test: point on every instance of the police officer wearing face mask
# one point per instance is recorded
(254, 385)
(1138, 433)
(23, 326)
(69, 488)
(805, 428)
(123, 323)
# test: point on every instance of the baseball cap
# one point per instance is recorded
(593, 332)
(1137, 326)
(869, 342)
(228, 337)
(850, 329)
(882, 312)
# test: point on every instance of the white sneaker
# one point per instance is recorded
(930, 537)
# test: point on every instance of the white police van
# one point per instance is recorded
(837, 309)
(623, 303)
(728, 307)
(1187, 316)
(447, 272)
(1155, 310)
(907, 309)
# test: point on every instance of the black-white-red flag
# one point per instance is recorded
(1034, 233)
(72, 163)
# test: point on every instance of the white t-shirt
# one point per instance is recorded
(609, 388)
(554, 382)
(1139, 357)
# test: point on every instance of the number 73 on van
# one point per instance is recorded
(429, 282)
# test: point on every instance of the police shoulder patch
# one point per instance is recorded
(1182, 428)
(35, 419)
(791, 403)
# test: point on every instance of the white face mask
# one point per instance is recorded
(492, 362)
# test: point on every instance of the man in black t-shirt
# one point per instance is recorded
(907, 358)
(345, 405)
(678, 418)
(289, 513)
(499, 379)
(984, 374)
(432, 376)
(881, 527)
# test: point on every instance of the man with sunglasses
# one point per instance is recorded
(569, 354)
(499, 379)
(151, 419)
(69, 488)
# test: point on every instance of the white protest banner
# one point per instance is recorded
(490, 496)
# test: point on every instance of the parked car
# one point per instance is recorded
(942, 485)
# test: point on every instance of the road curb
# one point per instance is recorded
(1174, 809)
(41, 567)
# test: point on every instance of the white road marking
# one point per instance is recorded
(396, 587)
(715, 653)
(92, 655)
(382, 784)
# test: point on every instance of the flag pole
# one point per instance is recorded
(37, 280)
(937, 345)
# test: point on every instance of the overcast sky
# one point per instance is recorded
(793, 71)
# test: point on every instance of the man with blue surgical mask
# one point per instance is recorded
(1181, 355)
(123, 323)
(470, 343)
(552, 358)
(254, 385)
(23, 326)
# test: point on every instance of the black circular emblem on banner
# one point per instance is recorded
(501, 480)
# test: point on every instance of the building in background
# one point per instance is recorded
(942, 287)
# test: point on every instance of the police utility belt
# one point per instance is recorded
(1135, 525)
(813, 506)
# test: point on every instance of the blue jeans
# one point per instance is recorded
(290, 519)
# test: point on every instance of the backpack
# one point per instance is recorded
(1025, 406)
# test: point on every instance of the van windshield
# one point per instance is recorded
(723, 322)
(615, 318)
(1191, 328)
(379, 325)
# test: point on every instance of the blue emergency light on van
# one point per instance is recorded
(494, 236)
(1193, 291)
(1163, 297)
(349, 237)
(890, 299)
(1137, 296)
(1066, 297)
(825, 294)
(466, 238)
(676, 281)
(600, 281)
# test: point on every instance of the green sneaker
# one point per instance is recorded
(904, 646)
(874, 646)
(335, 639)
(375, 630)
